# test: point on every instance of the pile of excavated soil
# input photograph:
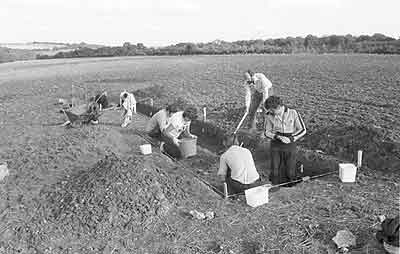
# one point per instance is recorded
(112, 200)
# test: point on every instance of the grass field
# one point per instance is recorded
(336, 94)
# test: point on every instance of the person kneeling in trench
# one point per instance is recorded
(284, 127)
(236, 166)
(178, 127)
(159, 121)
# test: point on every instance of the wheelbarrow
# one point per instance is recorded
(79, 115)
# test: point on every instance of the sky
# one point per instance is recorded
(166, 22)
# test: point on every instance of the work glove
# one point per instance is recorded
(176, 141)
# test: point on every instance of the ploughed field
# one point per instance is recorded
(348, 102)
(89, 190)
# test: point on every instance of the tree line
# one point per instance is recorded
(375, 44)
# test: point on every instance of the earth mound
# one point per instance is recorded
(113, 199)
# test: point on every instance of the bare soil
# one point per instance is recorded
(56, 200)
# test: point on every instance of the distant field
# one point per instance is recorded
(31, 46)
(10, 52)
(330, 91)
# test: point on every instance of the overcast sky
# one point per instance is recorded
(164, 22)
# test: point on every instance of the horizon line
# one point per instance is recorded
(171, 44)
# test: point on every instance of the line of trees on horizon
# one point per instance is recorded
(375, 44)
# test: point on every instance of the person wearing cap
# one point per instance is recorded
(284, 126)
(128, 103)
(159, 121)
(262, 88)
(178, 127)
(237, 167)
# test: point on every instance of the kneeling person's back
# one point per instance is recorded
(236, 167)
(240, 162)
(160, 120)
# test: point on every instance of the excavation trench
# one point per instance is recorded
(210, 136)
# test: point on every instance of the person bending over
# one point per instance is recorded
(129, 106)
(159, 121)
(102, 100)
(262, 88)
(178, 127)
(236, 166)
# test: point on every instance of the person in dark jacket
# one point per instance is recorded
(389, 235)
(102, 100)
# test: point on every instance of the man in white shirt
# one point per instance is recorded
(159, 121)
(122, 98)
(236, 167)
(262, 88)
(129, 105)
(179, 126)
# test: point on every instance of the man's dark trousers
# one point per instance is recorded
(283, 162)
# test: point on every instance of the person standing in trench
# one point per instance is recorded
(284, 126)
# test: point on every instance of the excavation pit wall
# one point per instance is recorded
(211, 137)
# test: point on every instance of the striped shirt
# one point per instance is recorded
(290, 123)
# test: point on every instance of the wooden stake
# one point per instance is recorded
(359, 158)
(151, 104)
(204, 114)
(72, 95)
(225, 191)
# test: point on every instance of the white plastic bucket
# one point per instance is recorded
(257, 196)
(188, 147)
(3, 170)
(347, 172)
(145, 149)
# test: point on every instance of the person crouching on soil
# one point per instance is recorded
(178, 127)
(129, 106)
(93, 112)
(90, 114)
(389, 235)
(236, 166)
(102, 100)
(284, 127)
(159, 121)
